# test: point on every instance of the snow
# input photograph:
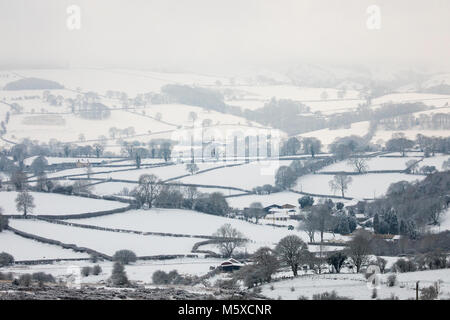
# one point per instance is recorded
(164, 172)
(355, 285)
(192, 223)
(279, 198)
(373, 164)
(55, 160)
(26, 249)
(130, 81)
(139, 271)
(382, 136)
(105, 241)
(245, 176)
(57, 204)
(111, 188)
(430, 99)
(436, 161)
(362, 186)
(327, 136)
(72, 126)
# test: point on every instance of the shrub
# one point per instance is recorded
(96, 270)
(257, 290)
(6, 276)
(42, 278)
(392, 280)
(328, 296)
(25, 280)
(93, 258)
(160, 277)
(6, 259)
(292, 289)
(403, 265)
(229, 284)
(118, 276)
(86, 271)
(430, 293)
(303, 298)
(124, 256)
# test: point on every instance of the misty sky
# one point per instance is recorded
(217, 35)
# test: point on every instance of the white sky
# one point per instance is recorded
(219, 35)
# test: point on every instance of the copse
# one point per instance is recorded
(214, 203)
(285, 177)
(124, 256)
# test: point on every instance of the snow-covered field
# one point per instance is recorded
(327, 136)
(57, 204)
(140, 271)
(279, 198)
(381, 136)
(431, 99)
(355, 286)
(436, 161)
(191, 222)
(70, 126)
(55, 160)
(362, 186)
(26, 249)
(130, 81)
(245, 176)
(105, 241)
(164, 172)
(378, 163)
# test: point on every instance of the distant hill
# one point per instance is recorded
(32, 84)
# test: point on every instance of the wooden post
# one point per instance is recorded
(417, 290)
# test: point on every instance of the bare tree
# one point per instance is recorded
(192, 168)
(359, 164)
(230, 239)
(25, 202)
(293, 252)
(340, 183)
(148, 189)
(359, 248)
(308, 225)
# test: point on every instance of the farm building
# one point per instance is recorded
(230, 265)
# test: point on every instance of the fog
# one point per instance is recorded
(221, 36)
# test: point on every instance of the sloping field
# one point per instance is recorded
(27, 249)
(191, 222)
(245, 176)
(105, 241)
(57, 204)
(362, 186)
